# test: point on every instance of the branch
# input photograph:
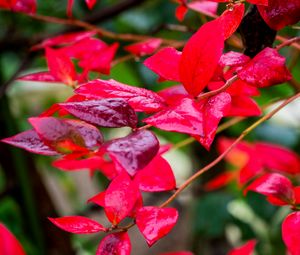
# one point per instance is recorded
(218, 159)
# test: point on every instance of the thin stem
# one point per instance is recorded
(287, 42)
(219, 158)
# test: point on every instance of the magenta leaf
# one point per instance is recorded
(233, 58)
(59, 133)
(278, 14)
(185, 117)
(120, 198)
(206, 7)
(154, 222)
(156, 176)
(243, 106)
(165, 63)
(138, 98)
(112, 112)
(144, 48)
(291, 232)
(91, 3)
(41, 77)
(77, 224)
(26, 6)
(135, 151)
(9, 245)
(246, 249)
(116, 243)
(273, 185)
(200, 57)
(30, 141)
(267, 68)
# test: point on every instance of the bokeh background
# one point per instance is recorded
(31, 190)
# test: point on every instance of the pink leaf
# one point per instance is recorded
(233, 58)
(113, 112)
(147, 47)
(30, 141)
(200, 57)
(64, 39)
(156, 176)
(185, 117)
(291, 232)
(154, 222)
(206, 7)
(273, 185)
(138, 98)
(135, 151)
(246, 249)
(9, 245)
(60, 66)
(56, 132)
(100, 61)
(116, 243)
(279, 14)
(282, 159)
(267, 68)
(91, 3)
(165, 63)
(120, 198)
(40, 77)
(77, 224)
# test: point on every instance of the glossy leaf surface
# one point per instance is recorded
(144, 48)
(117, 244)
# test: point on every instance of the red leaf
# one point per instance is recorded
(219, 181)
(206, 7)
(267, 68)
(200, 57)
(156, 176)
(246, 249)
(144, 48)
(113, 112)
(138, 98)
(165, 63)
(100, 61)
(273, 185)
(279, 14)
(177, 253)
(41, 77)
(214, 110)
(174, 94)
(64, 39)
(120, 198)
(30, 141)
(69, 8)
(233, 58)
(98, 199)
(135, 151)
(297, 195)
(60, 66)
(180, 12)
(55, 132)
(91, 3)
(278, 158)
(77, 224)
(26, 6)
(259, 2)
(9, 245)
(291, 232)
(116, 243)
(243, 106)
(231, 19)
(154, 222)
(185, 117)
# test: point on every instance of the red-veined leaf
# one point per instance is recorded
(139, 99)
(9, 245)
(200, 57)
(135, 151)
(77, 224)
(267, 68)
(273, 185)
(156, 176)
(120, 198)
(154, 222)
(165, 63)
(112, 112)
(116, 243)
(291, 232)
(144, 48)
(279, 14)
(60, 66)
(278, 158)
(30, 141)
(246, 249)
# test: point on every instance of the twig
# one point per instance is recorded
(218, 159)
(287, 42)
